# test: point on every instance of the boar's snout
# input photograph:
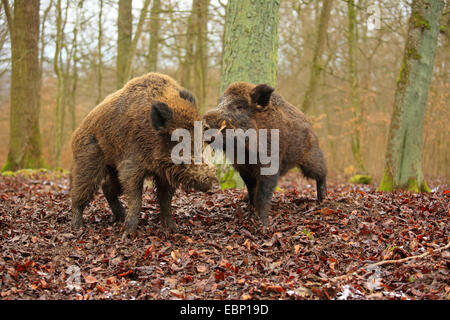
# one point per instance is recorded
(214, 123)
(211, 120)
(202, 178)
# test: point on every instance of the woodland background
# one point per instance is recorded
(370, 82)
(80, 58)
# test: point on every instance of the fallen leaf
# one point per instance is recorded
(201, 268)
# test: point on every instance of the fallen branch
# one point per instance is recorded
(384, 262)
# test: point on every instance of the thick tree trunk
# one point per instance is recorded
(316, 65)
(25, 147)
(250, 42)
(403, 167)
(124, 38)
(249, 54)
(155, 25)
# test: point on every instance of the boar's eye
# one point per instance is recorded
(240, 104)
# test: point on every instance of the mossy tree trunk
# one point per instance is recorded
(250, 50)
(250, 42)
(58, 68)
(403, 167)
(25, 146)
(316, 65)
(354, 100)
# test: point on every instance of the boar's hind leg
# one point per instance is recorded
(265, 188)
(87, 173)
(132, 180)
(314, 167)
(112, 190)
(165, 193)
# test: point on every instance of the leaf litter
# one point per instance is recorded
(357, 244)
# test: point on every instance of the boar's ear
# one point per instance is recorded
(160, 114)
(261, 94)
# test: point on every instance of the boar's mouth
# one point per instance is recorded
(198, 177)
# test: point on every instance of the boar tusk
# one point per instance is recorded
(223, 125)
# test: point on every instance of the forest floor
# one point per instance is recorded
(358, 244)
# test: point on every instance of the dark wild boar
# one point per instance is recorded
(249, 107)
(126, 139)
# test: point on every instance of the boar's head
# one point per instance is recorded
(240, 107)
(166, 117)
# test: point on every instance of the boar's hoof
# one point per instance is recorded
(77, 224)
(263, 218)
(247, 199)
(321, 192)
(130, 228)
(168, 225)
(129, 234)
(117, 218)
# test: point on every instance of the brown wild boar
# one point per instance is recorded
(126, 139)
(249, 107)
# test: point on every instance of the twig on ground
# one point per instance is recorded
(381, 263)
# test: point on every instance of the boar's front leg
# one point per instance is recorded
(266, 186)
(132, 181)
(250, 183)
(165, 193)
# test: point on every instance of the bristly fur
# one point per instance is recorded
(186, 95)
(246, 106)
(125, 139)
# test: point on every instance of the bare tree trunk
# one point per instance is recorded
(137, 35)
(74, 76)
(186, 65)
(25, 146)
(9, 19)
(124, 37)
(155, 25)
(355, 105)
(100, 55)
(316, 65)
(42, 38)
(403, 167)
(201, 51)
(59, 76)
